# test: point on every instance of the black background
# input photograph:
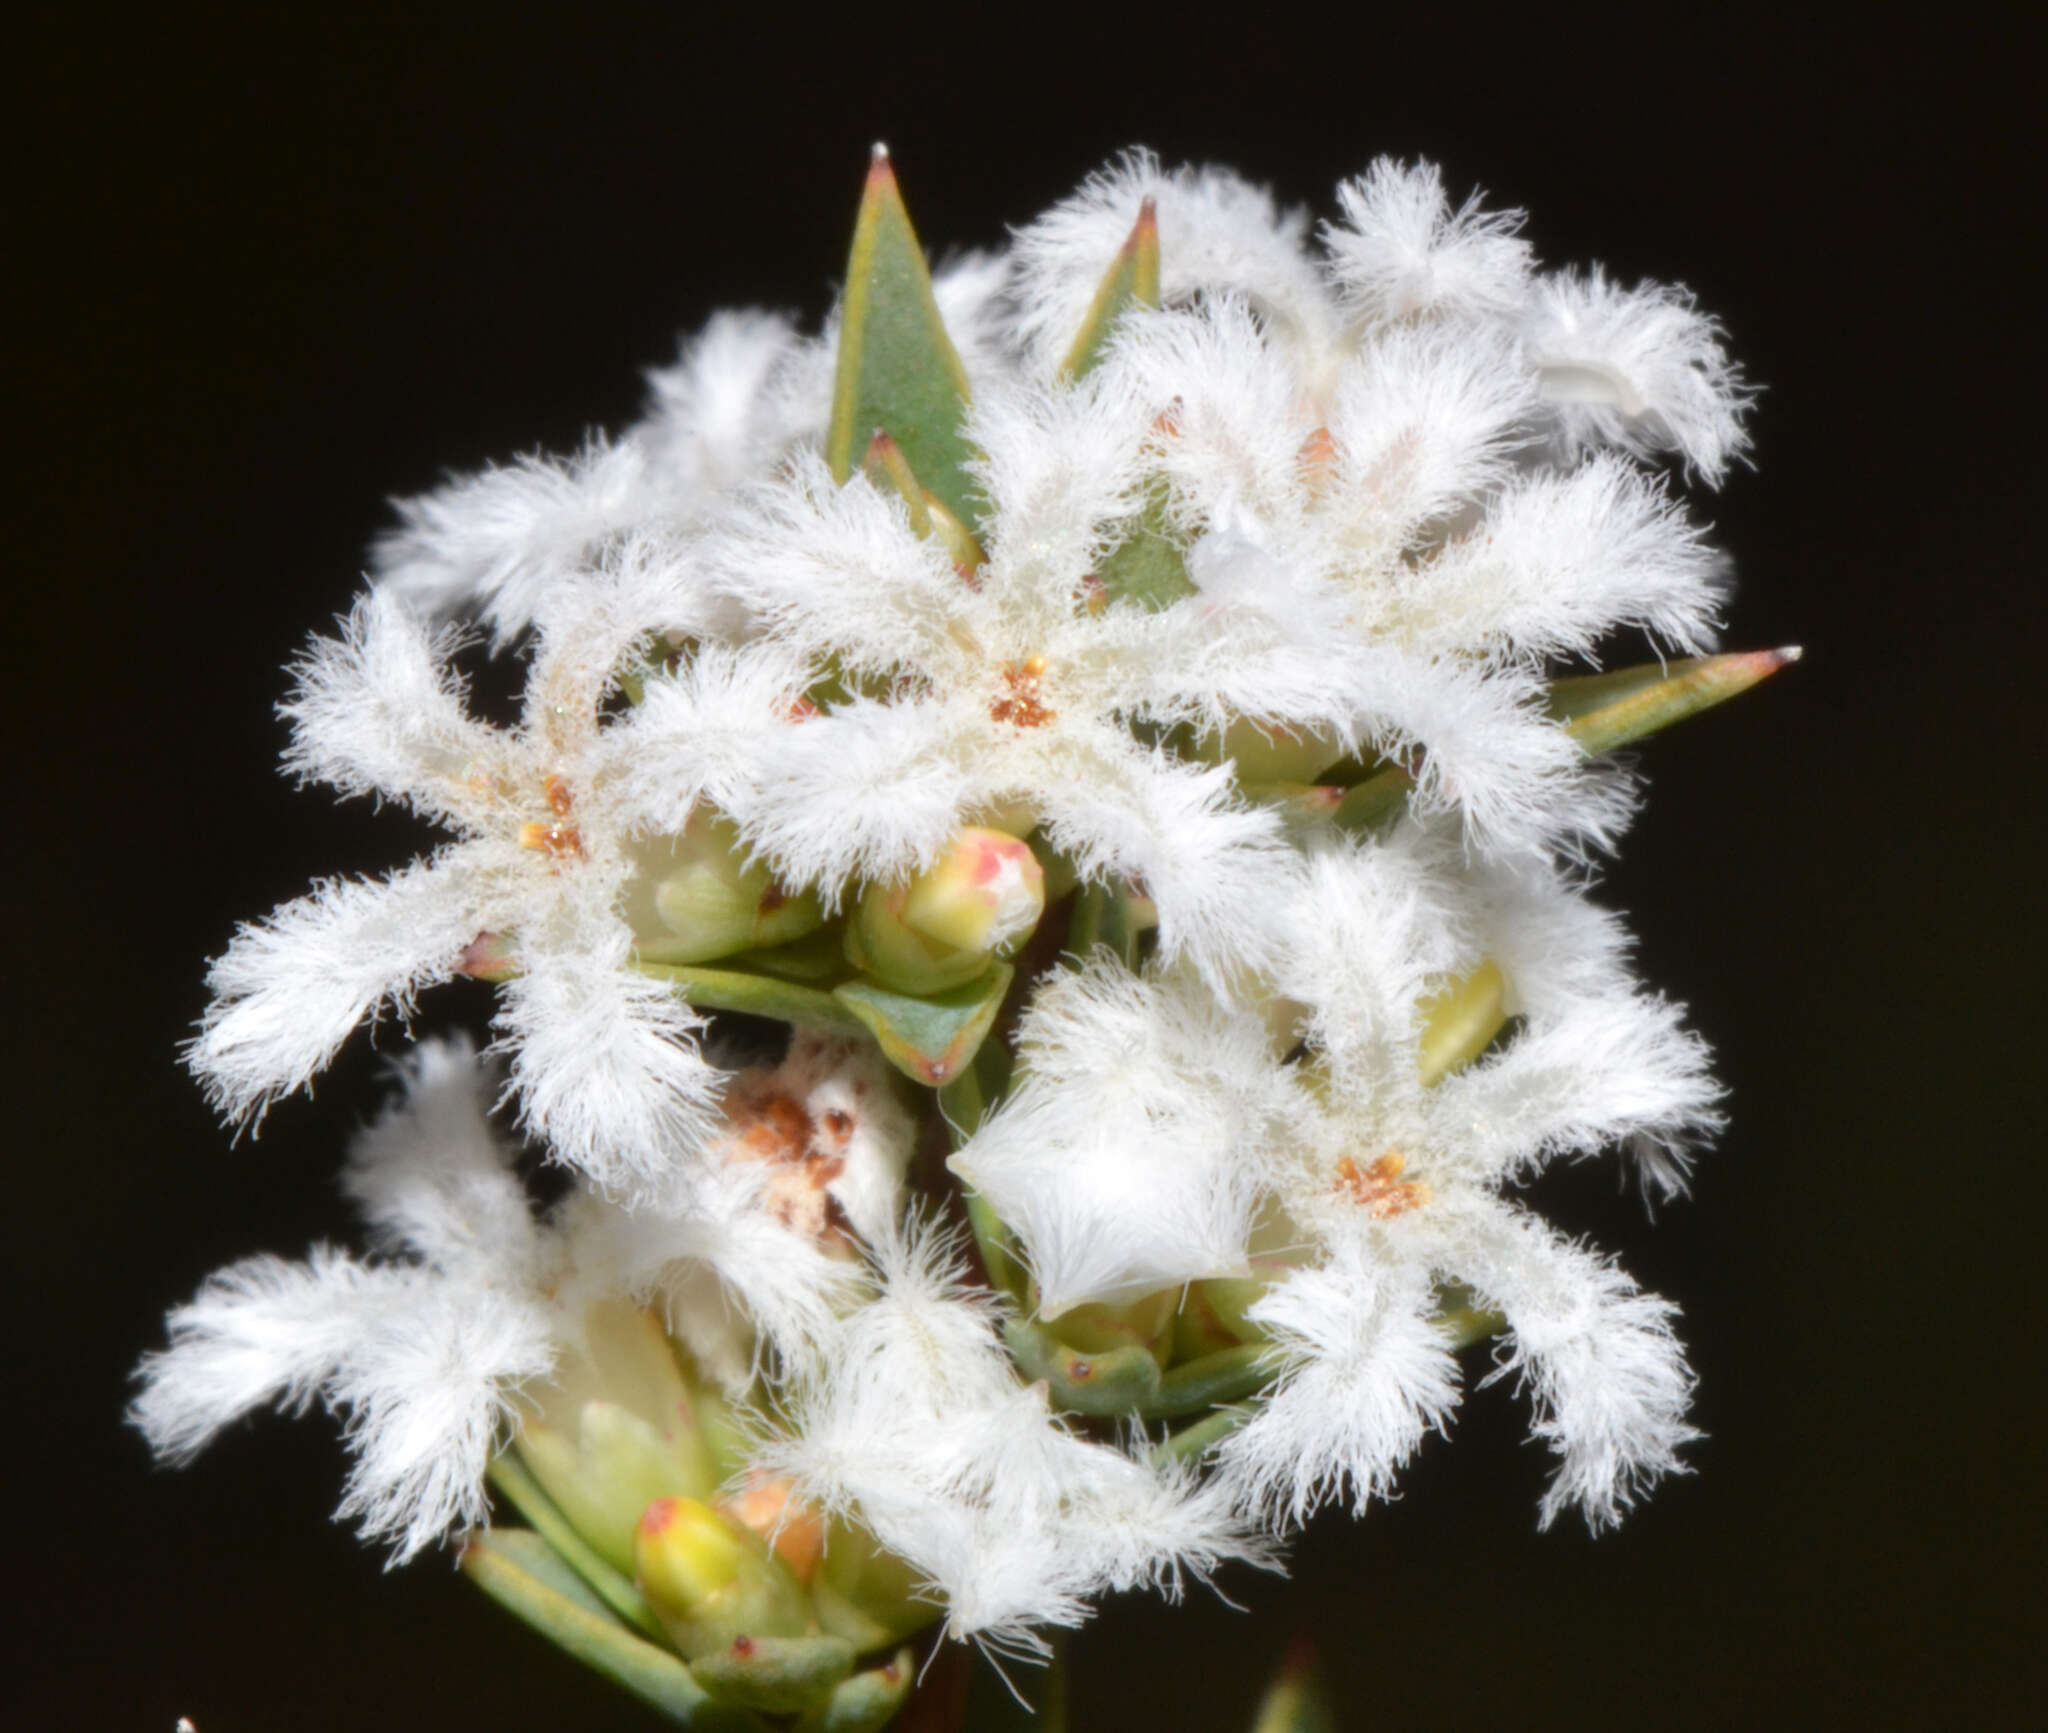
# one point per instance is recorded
(280, 269)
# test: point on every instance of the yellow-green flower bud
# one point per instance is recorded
(616, 1429)
(945, 926)
(695, 899)
(1460, 1022)
(866, 1595)
(711, 1580)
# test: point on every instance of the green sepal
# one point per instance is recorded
(1102, 915)
(524, 1575)
(1102, 1385)
(817, 956)
(1462, 1319)
(614, 1590)
(758, 996)
(1147, 567)
(1132, 280)
(964, 1103)
(1604, 711)
(930, 1039)
(1374, 803)
(898, 370)
(865, 1702)
(778, 1675)
(1295, 1702)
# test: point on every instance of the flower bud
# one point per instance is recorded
(945, 926)
(1460, 1022)
(865, 1594)
(694, 899)
(615, 1430)
(712, 1580)
(1098, 1327)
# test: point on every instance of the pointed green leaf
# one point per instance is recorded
(898, 370)
(930, 1039)
(867, 1701)
(523, 1574)
(1295, 1702)
(1600, 712)
(1610, 710)
(758, 996)
(511, 1477)
(1103, 915)
(1132, 280)
(1147, 566)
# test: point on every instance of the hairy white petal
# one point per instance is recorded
(1366, 1374)
(1639, 368)
(1402, 252)
(605, 1065)
(289, 991)
(1128, 1160)
(1597, 1356)
(492, 543)
(433, 1178)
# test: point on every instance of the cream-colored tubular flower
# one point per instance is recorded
(604, 1061)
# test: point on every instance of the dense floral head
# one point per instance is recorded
(1037, 889)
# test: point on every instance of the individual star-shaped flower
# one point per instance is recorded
(546, 815)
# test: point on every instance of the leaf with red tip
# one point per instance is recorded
(1295, 1702)
(930, 1039)
(1132, 280)
(1603, 711)
(898, 370)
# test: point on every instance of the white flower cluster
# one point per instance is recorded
(1398, 477)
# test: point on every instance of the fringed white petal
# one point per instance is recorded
(1597, 1356)
(605, 1065)
(288, 991)
(1129, 1159)
(1366, 1374)
(1641, 368)
(1402, 252)
(434, 1179)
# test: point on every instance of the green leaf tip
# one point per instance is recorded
(1601, 712)
(1605, 711)
(1295, 1702)
(898, 371)
(1132, 280)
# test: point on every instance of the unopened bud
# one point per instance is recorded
(1271, 752)
(944, 927)
(1459, 1022)
(712, 1580)
(866, 1595)
(695, 898)
(615, 1430)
